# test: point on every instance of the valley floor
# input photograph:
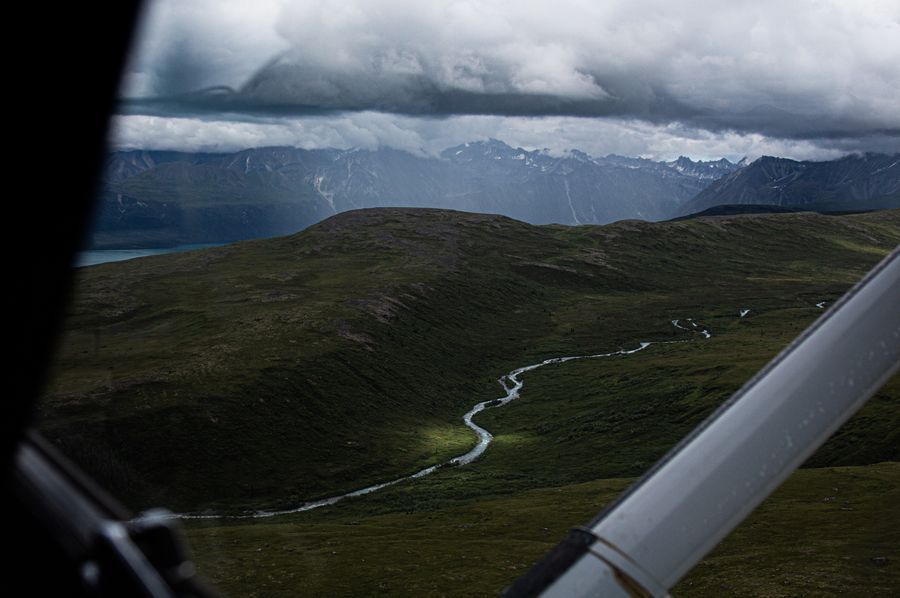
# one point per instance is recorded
(827, 532)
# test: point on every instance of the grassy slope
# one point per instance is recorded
(298, 367)
(817, 535)
(303, 360)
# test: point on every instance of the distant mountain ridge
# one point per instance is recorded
(160, 198)
(854, 182)
(163, 197)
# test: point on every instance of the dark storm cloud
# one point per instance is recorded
(289, 90)
(800, 70)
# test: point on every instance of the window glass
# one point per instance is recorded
(387, 297)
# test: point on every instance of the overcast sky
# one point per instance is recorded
(803, 79)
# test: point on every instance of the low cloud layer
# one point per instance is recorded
(371, 130)
(821, 71)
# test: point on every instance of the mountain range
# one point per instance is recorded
(160, 198)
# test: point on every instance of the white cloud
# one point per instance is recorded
(422, 136)
(823, 72)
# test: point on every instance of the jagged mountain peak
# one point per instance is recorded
(578, 155)
(472, 150)
(704, 169)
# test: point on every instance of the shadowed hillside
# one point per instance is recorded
(267, 372)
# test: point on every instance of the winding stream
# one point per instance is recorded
(511, 384)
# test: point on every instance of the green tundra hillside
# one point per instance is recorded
(264, 374)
